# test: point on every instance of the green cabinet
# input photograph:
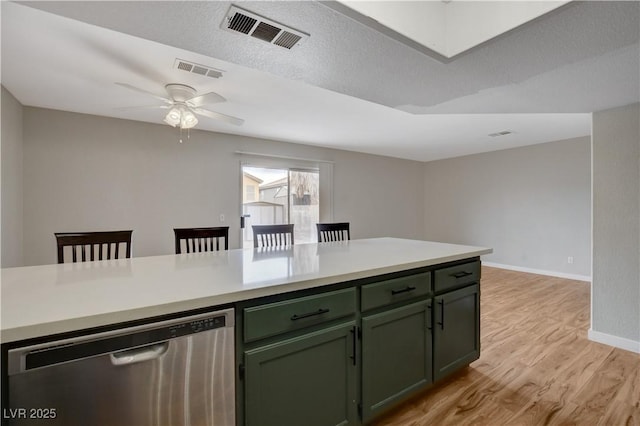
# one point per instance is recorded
(456, 330)
(396, 356)
(292, 315)
(345, 355)
(395, 290)
(458, 276)
(306, 380)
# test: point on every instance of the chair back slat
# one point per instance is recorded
(201, 239)
(333, 231)
(81, 241)
(272, 235)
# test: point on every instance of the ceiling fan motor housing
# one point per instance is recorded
(180, 92)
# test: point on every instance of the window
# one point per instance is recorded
(286, 195)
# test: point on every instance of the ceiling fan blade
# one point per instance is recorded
(136, 89)
(206, 99)
(218, 116)
(144, 107)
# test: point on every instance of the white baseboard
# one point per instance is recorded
(615, 341)
(539, 271)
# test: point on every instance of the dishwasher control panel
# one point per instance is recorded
(196, 326)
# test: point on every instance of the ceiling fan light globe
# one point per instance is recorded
(170, 122)
(188, 120)
(173, 117)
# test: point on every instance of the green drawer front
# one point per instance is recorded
(456, 276)
(281, 317)
(395, 290)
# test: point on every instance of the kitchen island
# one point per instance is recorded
(347, 291)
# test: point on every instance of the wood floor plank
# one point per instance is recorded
(540, 412)
(598, 394)
(537, 366)
(625, 407)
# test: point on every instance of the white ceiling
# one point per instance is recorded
(451, 27)
(348, 86)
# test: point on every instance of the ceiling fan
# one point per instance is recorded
(184, 104)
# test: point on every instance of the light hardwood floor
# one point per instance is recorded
(536, 367)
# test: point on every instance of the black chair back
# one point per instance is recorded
(90, 246)
(201, 239)
(333, 231)
(272, 235)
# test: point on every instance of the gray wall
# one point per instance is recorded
(531, 205)
(85, 172)
(616, 223)
(11, 155)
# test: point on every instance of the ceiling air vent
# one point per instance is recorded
(197, 69)
(242, 21)
(287, 39)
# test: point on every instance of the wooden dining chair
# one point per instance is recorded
(333, 231)
(106, 244)
(272, 235)
(201, 239)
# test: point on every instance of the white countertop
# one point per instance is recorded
(49, 299)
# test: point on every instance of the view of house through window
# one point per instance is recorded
(278, 196)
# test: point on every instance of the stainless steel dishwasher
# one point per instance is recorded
(170, 373)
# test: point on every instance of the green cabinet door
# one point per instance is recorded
(396, 356)
(456, 330)
(308, 380)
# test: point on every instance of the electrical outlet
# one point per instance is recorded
(570, 259)
(221, 218)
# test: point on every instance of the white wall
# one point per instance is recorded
(84, 172)
(615, 317)
(11, 155)
(530, 204)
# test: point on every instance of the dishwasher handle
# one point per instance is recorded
(122, 342)
(145, 353)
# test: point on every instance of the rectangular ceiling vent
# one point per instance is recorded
(187, 66)
(242, 21)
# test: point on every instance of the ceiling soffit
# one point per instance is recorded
(441, 29)
(347, 57)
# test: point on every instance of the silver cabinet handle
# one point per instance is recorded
(145, 353)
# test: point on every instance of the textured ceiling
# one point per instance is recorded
(581, 58)
(347, 57)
